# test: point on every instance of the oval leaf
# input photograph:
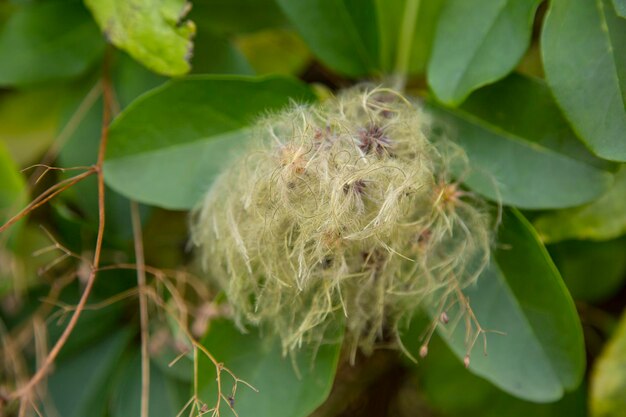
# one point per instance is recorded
(476, 43)
(342, 33)
(584, 55)
(166, 147)
(46, 41)
(258, 361)
(603, 219)
(541, 354)
(524, 154)
(151, 31)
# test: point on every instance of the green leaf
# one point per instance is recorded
(620, 7)
(602, 219)
(81, 382)
(608, 378)
(579, 260)
(167, 147)
(541, 354)
(258, 361)
(584, 55)
(46, 41)
(407, 29)
(151, 31)
(476, 43)
(523, 154)
(342, 33)
(167, 396)
(453, 391)
(232, 17)
(215, 55)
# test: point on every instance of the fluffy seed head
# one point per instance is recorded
(341, 209)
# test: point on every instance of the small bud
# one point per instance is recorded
(466, 361)
(423, 351)
(444, 318)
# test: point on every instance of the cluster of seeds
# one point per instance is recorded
(342, 212)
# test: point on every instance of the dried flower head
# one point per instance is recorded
(344, 208)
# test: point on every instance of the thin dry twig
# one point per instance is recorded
(42, 371)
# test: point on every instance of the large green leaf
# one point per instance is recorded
(167, 396)
(608, 378)
(166, 147)
(523, 154)
(541, 354)
(407, 29)
(49, 40)
(584, 55)
(602, 219)
(258, 361)
(476, 43)
(79, 384)
(151, 31)
(342, 33)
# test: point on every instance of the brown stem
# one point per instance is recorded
(54, 352)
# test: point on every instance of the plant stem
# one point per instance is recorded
(405, 42)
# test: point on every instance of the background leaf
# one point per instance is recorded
(80, 382)
(521, 293)
(167, 396)
(275, 51)
(232, 17)
(167, 147)
(476, 43)
(258, 361)
(12, 188)
(602, 219)
(620, 7)
(584, 55)
(151, 31)
(29, 120)
(342, 33)
(608, 378)
(592, 271)
(46, 41)
(524, 154)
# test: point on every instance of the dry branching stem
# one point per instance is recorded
(25, 391)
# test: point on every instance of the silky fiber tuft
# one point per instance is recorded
(343, 212)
